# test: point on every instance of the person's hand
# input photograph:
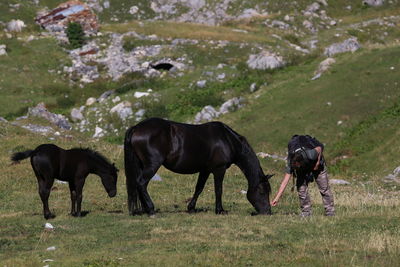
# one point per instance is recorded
(274, 202)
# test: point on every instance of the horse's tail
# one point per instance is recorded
(16, 157)
(132, 171)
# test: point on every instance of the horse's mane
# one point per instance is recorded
(248, 161)
(97, 156)
(246, 148)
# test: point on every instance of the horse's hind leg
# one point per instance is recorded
(201, 181)
(143, 180)
(44, 193)
(218, 180)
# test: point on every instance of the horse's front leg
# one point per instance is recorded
(79, 182)
(201, 181)
(72, 191)
(218, 180)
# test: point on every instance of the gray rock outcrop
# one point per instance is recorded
(265, 60)
(41, 111)
(373, 2)
(349, 45)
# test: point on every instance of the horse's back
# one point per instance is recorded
(181, 147)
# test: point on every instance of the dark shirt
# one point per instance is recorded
(307, 143)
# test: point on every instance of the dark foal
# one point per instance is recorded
(184, 148)
(51, 162)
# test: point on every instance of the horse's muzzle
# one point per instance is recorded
(112, 193)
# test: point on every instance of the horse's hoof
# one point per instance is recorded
(221, 212)
(49, 216)
(152, 216)
(191, 211)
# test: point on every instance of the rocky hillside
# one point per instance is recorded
(269, 68)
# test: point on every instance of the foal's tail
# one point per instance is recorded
(16, 157)
(132, 171)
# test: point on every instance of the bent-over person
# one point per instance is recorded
(306, 163)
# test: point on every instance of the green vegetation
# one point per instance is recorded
(75, 34)
(353, 108)
(364, 232)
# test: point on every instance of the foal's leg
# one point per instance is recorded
(201, 181)
(45, 185)
(44, 192)
(72, 191)
(218, 179)
(79, 182)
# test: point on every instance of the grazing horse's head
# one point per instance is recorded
(259, 195)
(109, 180)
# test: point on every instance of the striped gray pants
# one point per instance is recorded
(324, 189)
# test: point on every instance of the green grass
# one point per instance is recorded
(364, 232)
(362, 89)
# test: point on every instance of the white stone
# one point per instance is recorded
(116, 99)
(99, 132)
(3, 50)
(338, 181)
(15, 25)
(90, 101)
(123, 110)
(133, 10)
(48, 226)
(140, 94)
(76, 114)
(201, 83)
(206, 114)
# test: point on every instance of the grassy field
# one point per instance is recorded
(365, 231)
(354, 109)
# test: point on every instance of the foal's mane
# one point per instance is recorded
(97, 156)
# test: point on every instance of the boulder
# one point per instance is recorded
(395, 175)
(265, 60)
(231, 105)
(349, 45)
(38, 128)
(208, 113)
(105, 95)
(76, 114)
(41, 111)
(323, 66)
(15, 25)
(90, 101)
(123, 109)
(133, 10)
(3, 50)
(201, 84)
(339, 182)
(373, 2)
(98, 132)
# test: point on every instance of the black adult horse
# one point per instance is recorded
(50, 161)
(184, 148)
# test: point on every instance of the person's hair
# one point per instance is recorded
(297, 157)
